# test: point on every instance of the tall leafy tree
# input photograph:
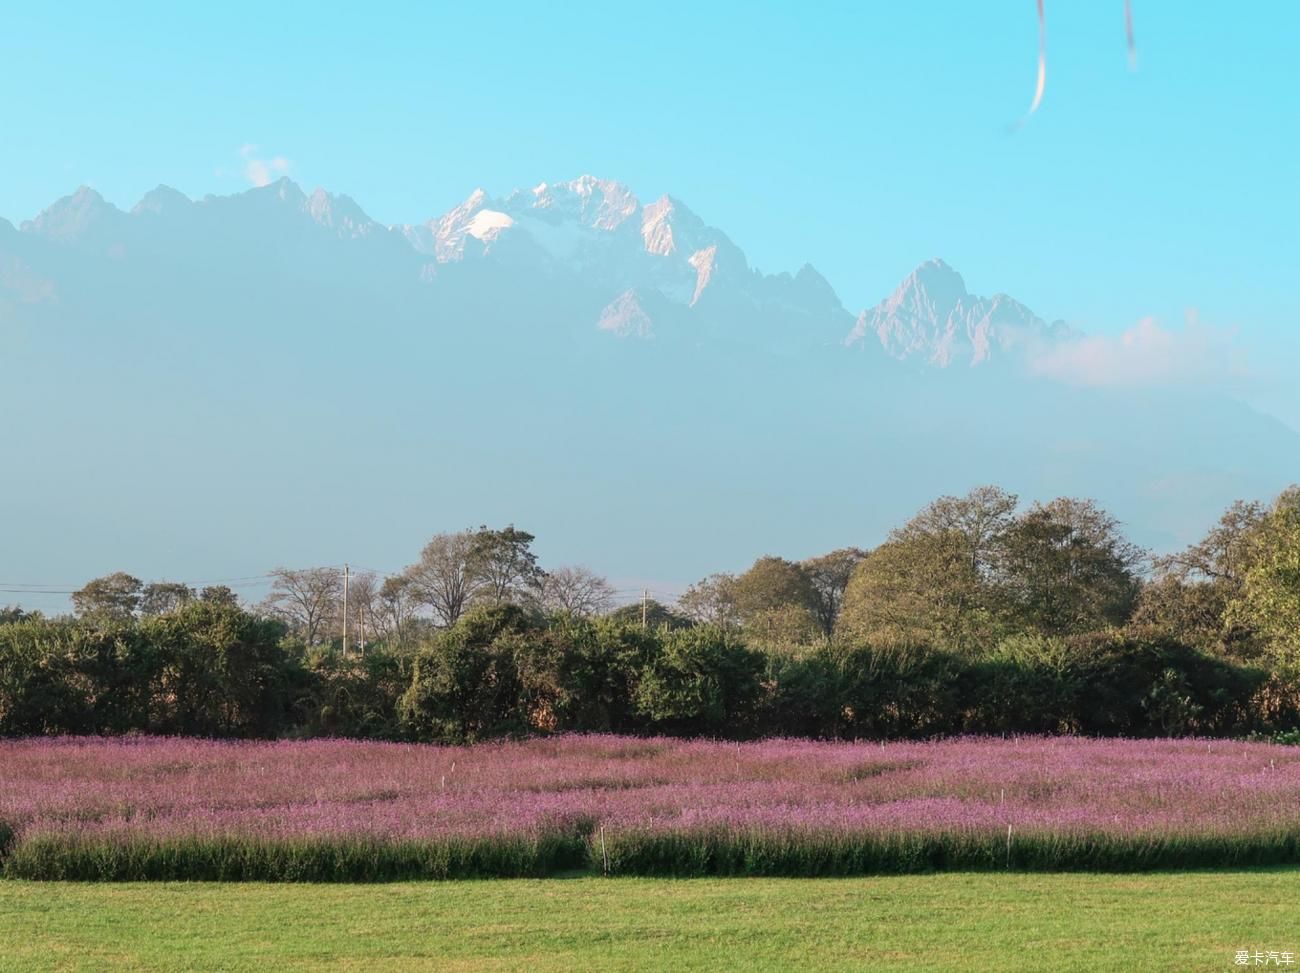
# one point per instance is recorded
(977, 522)
(1065, 567)
(503, 567)
(931, 582)
(919, 590)
(1192, 589)
(711, 601)
(219, 594)
(1269, 600)
(828, 576)
(161, 597)
(113, 597)
(774, 600)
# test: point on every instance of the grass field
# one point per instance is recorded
(982, 922)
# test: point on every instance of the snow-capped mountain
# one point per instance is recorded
(932, 317)
(657, 259)
(652, 270)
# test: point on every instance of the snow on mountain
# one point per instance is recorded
(598, 230)
(600, 204)
(651, 270)
(932, 317)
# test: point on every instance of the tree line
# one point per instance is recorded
(975, 616)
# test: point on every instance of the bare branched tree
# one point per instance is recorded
(443, 579)
(395, 608)
(363, 601)
(306, 599)
(577, 591)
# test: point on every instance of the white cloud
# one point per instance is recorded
(259, 171)
(1147, 354)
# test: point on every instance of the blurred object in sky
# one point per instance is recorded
(1042, 56)
(1128, 33)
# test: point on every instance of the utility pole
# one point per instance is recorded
(361, 616)
(345, 611)
(645, 598)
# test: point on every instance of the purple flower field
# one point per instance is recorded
(659, 805)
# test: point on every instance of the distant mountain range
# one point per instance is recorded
(612, 374)
(659, 263)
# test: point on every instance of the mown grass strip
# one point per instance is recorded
(989, 922)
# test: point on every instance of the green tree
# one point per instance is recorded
(931, 583)
(1269, 599)
(579, 674)
(711, 601)
(828, 576)
(916, 590)
(656, 614)
(216, 671)
(1064, 568)
(161, 597)
(703, 681)
(219, 594)
(503, 567)
(113, 597)
(465, 686)
(977, 523)
(14, 613)
(774, 601)
(1189, 596)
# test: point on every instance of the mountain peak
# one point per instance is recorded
(161, 199)
(668, 227)
(72, 216)
(933, 282)
(283, 189)
(931, 316)
(339, 212)
(601, 204)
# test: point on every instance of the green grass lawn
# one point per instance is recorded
(982, 922)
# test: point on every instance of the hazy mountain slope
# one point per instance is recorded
(208, 388)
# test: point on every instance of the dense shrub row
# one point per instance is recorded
(717, 851)
(214, 670)
(70, 857)
(728, 851)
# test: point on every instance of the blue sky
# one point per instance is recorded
(862, 137)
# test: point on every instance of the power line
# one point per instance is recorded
(247, 580)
